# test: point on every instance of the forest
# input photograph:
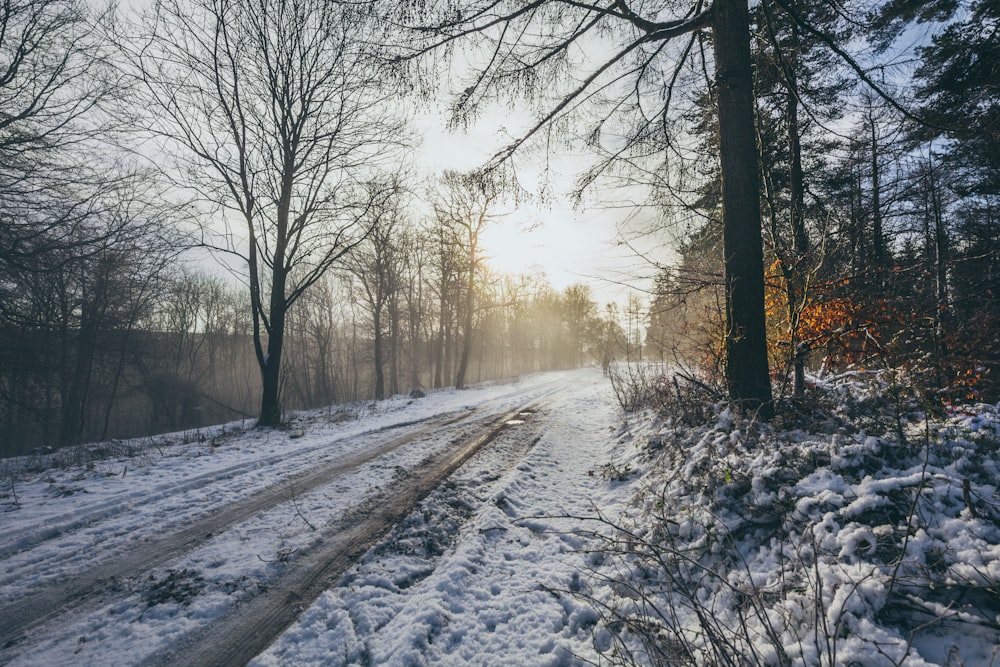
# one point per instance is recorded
(208, 213)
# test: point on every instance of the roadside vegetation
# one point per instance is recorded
(861, 525)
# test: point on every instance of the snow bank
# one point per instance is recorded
(819, 545)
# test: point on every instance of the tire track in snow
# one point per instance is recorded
(11, 543)
(51, 606)
(90, 588)
(55, 527)
(249, 629)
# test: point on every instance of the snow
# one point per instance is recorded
(574, 538)
(495, 594)
(463, 569)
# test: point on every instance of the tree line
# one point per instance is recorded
(831, 199)
(879, 203)
(266, 133)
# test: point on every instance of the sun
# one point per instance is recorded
(561, 243)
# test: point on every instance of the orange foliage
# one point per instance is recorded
(860, 329)
(852, 331)
(849, 330)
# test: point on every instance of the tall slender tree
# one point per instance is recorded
(377, 265)
(799, 91)
(464, 206)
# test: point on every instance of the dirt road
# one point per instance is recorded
(152, 566)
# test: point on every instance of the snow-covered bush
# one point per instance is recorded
(753, 544)
(640, 386)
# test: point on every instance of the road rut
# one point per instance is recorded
(251, 627)
(90, 588)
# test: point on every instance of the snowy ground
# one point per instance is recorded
(856, 530)
(462, 578)
(823, 541)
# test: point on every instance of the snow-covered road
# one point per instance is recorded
(153, 557)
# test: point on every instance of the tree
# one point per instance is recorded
(82, 254)
(68, 329)
(377, 265)
(955, 195)
(529, 47)
(799, 90)
(579, 312)
(445, 268)
(958, 93)
(54, 79)
(270, 113)
(463, 206)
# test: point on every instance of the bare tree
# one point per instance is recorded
(463, 207)
(54, 170)
(377, 267)
(269, 111)
(444, 264)
(82, 254)
(417, 299)
(318, 322)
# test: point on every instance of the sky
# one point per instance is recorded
(569, 243)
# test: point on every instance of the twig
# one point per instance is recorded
(967, 497)
(298, 511)
(13, 491)
(913, 506)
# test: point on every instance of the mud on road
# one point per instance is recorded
(260, 612)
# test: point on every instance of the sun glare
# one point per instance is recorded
(559, 243)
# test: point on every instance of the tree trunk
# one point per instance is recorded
(878, 235)
(794, 283)
(356, 371)
(940, 254)
(463, 362)
(449, 348)
(940, 257)
(439, 345)
(75, 397)
(858, 254)
(746, 346)
(393, 346)
(71, 426)
(415, 304)
(379, 371)
(270, 363)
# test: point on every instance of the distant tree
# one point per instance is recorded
(377, 266)
(192, 364)
(463, 207)
(416, 306)
(69, 329)
(634, 327)
(687, 306)
(613, 338)
(579, 312)
(444, 268)
(270, 113)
